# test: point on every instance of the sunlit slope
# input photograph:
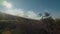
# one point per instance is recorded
(4, 16)
(22, 22)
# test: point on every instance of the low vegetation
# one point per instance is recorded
(27, 26)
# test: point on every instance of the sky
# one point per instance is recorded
(31, 8)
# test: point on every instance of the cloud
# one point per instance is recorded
(19, 12)
(32, 15)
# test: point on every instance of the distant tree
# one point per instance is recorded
(47, 14)
(48, 21)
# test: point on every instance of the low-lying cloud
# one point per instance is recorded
(19, 12)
